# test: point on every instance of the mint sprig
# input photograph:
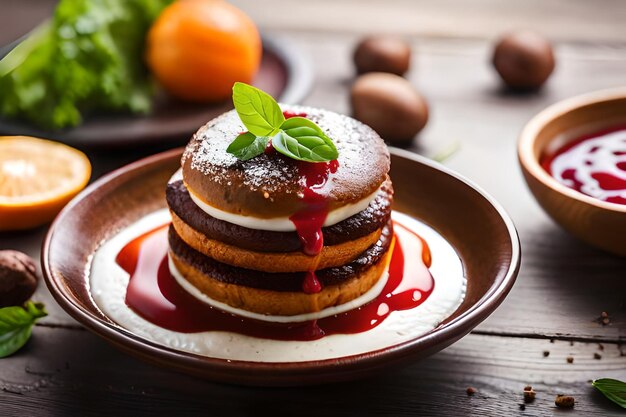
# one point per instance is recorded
(16, 326)
(258, 111)
(303, 140)
(612, 389)
(247, 146)
(297, 137)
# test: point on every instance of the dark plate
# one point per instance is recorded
(284, 73)
(472, 222)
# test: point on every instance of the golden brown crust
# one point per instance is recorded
(282, 303)
(330, 256)
(269, 185)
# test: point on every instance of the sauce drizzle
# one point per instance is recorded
(309, 221)
(594, 165)
(155, 295)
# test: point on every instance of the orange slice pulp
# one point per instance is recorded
(37, 178)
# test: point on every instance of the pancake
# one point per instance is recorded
(330, 256)
(238, 227)
(362, 224)
(280, 293)
(280, 282)
(269, 185)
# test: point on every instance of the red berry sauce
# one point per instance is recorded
(154, 293)
(594, 165)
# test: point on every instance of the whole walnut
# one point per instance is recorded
(18, 278)
(390, 105)
(524, 60)
(382, 54)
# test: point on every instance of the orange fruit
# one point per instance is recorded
(37, 178)
(197, 49)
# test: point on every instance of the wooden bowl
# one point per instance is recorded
(594, 221)
(471, 221)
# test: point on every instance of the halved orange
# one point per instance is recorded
(37, 178)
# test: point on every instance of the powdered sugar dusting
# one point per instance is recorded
(363, 157)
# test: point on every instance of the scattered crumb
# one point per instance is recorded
(11, 391)
(600, 346)
(471, 390)
(551, 340)
(604, 318)
(571, 343)
(546, 353)
(564, 401)
(569, 359)
(597, 356)
(529, 394)
(522, 407)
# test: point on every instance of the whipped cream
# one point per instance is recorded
(282, 224)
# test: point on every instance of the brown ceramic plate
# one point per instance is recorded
(472, 222)
(284, 73)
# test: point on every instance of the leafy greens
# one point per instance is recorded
(88, 57)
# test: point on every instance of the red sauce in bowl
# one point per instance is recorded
(593, 164)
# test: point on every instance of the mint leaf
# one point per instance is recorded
(247, 146)
(612, 389)
(297, 137)
(16, 325)
(303, 140)
(258, 111)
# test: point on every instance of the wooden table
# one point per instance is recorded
(562, 288)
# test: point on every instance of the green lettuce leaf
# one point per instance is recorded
(87, 58)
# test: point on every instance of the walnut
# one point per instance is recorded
(18, 278)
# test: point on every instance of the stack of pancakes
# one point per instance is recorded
(231, 237)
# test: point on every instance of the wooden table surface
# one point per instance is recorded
(562, 288)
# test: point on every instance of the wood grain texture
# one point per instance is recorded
(63, 372)
(562, 287)
(560, 20)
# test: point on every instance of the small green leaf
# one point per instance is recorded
(303, 140)
(297, 137)
(16, 324)
(612, 389)
(258, 111)
(447, 152)
(247, 146)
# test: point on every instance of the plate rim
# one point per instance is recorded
(200, 365)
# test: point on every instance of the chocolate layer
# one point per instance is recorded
(375, 216)
(288, 281)
(269, 184)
